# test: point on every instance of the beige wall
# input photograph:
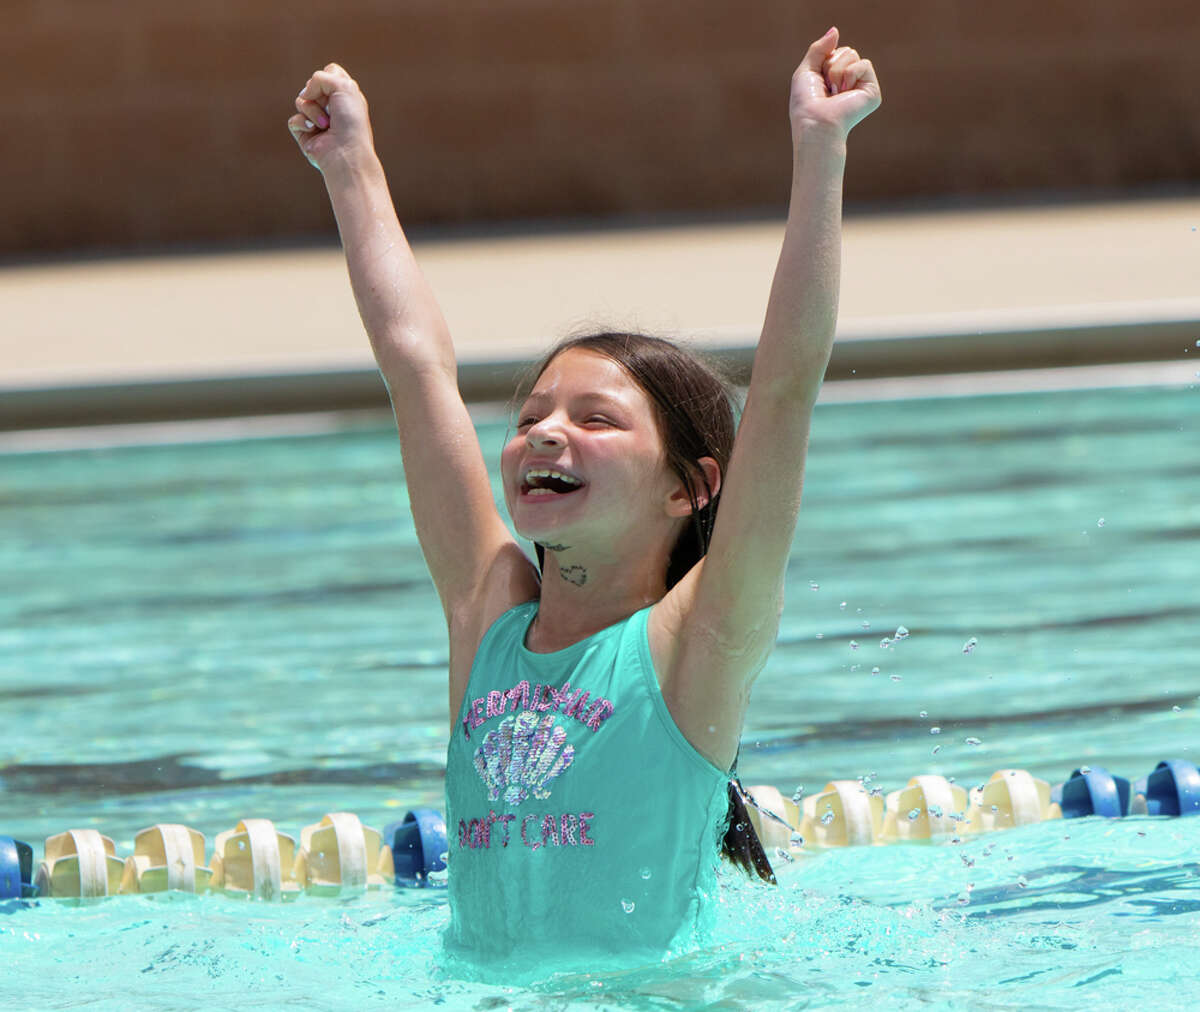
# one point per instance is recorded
(145, 122)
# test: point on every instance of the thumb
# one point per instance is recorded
(820, 51)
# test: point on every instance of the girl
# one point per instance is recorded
(596, 706)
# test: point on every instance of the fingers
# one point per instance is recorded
(313, 111)
(313, 102)
(865, 74)
(300, 126)
(860, 76)
(302, 130)
(837, 69)
(324, 83)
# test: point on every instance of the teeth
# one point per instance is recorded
(543, 472)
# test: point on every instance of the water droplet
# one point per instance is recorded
(901, 634)
(854, 644)
(923, 714)
(914, 814)
(645, 873)
(855, 667)
(894, 678)
(241, 844)
(842, 606)
(1100, 522)
(935, 811)
(827, 818)
(813, 585)
(970, 645)
(995, 808)
(820, 636)
(627, 906)
(796, 840)
(884, 643)
(935, 730)
(972, 741)
(1022, 881)
(1085, 770)
(866, 625)
(874, 671)
(935, 750)
(798, 793)
(1177, 709)
(782, 855)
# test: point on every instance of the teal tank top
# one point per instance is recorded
(581, 822)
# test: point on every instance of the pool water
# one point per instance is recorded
(203, 632)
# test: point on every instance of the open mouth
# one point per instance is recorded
(548, 481)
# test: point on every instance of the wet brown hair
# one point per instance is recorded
(694, 406)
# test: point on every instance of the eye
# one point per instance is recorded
(526, 421)
(599, 420)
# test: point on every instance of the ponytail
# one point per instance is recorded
(741, 844)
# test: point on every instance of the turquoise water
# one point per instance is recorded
(205, 632)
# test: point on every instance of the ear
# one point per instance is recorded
(707, 471)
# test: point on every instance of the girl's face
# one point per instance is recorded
(586, 465)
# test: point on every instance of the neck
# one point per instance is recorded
(582, 594)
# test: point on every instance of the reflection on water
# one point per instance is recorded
(206, 632)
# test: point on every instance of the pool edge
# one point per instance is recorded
(867, 351)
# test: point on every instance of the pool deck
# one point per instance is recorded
(941, 293)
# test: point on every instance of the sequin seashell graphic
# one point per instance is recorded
(522, 756)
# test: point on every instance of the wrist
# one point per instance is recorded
(818, 150)
(351, 168)
(818, 138)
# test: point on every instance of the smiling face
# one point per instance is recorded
(586, 466)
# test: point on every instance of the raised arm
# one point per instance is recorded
(476, 565)
(724, 616)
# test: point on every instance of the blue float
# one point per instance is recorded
(16, 869)
(418, 845)
(1096, 792)
(1172, 789)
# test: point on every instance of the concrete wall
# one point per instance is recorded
(142, 122)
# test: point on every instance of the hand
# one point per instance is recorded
(331, 123)
(833, 86)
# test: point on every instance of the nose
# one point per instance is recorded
(545, 434)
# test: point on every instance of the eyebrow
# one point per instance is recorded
(591, 396)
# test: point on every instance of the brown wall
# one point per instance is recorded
(144, 121)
